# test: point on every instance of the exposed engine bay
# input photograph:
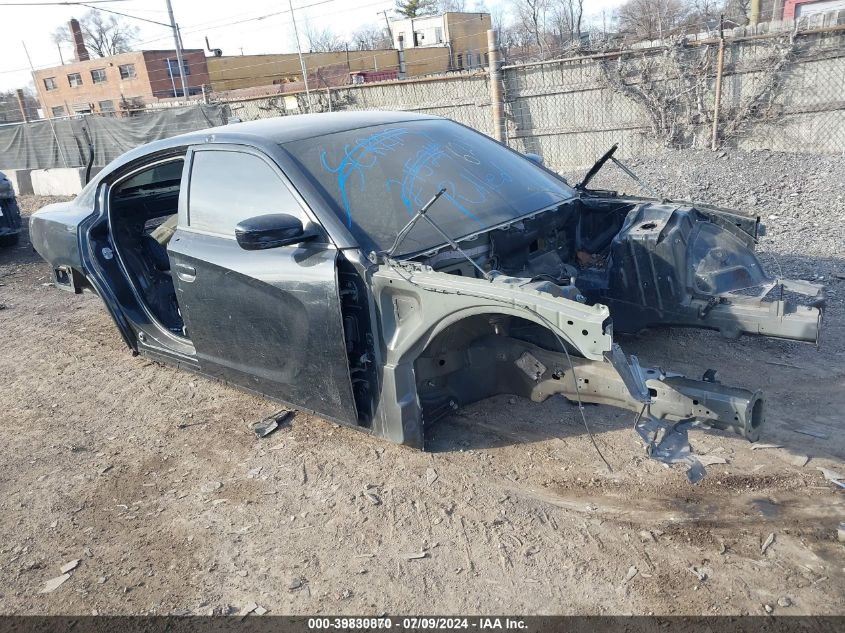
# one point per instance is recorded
(646, 263)
(651, 263)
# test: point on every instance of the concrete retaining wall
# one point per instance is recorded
(21, 181)
(59, 182)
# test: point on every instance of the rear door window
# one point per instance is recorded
(227, 187)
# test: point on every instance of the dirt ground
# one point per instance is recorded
(150, 476)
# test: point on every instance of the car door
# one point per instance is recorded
(268, 320)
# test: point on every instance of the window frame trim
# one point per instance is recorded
(105, 76)
(120, 68)
(72, 85)
(183, 223)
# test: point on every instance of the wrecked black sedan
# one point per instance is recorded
(10, 215)
(384, 269)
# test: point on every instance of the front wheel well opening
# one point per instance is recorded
(473, 359)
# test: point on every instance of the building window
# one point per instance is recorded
(438, 34)
(81, 108)
(106, 106)
(127, 71)
(50, 83)
(74, 79)
(460, 63)
(173, 67)
(98, 75)
(58, 111)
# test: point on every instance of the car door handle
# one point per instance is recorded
(186, 273)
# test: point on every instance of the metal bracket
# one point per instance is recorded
(630, 373)
(669, 443)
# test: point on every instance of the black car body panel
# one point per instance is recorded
(10, 214)
(521, 296)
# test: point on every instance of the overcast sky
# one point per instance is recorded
(33, 24)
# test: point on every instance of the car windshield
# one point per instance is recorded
(378, 177)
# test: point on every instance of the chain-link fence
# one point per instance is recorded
(779, 91)
(783, 91)
(464, 97)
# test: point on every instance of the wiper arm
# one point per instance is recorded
(412, 222)
(597, 166)
(608, 156)
(388, 255)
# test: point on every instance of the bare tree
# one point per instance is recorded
(103, 35)
(415, 8)
(497, 14)
(370, 38)
(454, 6)
(566, 18)
(322, 40)
(532, 18)
(652, 19)
(738, 11)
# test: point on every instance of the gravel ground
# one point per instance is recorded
(149, 476)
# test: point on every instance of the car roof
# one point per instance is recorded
(282, 129)
(302, 126)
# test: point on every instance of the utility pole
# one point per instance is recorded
(301, 58)
(720, 63)
(44, 105)
(386, 23)
(497, 99)
(754, 18)
(179, 59)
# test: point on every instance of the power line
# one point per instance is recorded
(55, 4)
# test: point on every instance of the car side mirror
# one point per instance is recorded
(270, 231)
(534, 158)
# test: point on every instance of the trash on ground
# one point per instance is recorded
(758, 446)
(767, 543)
(69, 566)
(265, 427)
(54, 583)
(698, 572)
(709, 460)
(832, 476)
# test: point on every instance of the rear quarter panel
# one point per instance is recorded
(54, 233)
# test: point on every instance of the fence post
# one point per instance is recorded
(22, 105)
(717, 101)
(497, 100)
(401, 57)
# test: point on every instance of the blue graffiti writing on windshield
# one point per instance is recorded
(432, 166)
(360, 157)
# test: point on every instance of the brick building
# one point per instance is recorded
(120, 82)
(463, 35)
